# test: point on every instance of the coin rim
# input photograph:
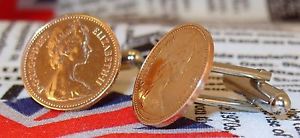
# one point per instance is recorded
(168, 119)
(103, 90)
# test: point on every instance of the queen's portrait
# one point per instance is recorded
(68, 49)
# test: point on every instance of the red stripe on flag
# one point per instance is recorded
(50, 114)
(10, 11)
(120, 117)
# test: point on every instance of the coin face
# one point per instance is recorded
(168, 80)
(70, 62)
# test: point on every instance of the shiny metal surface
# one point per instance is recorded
(226, 102)
(131, 58)
(168, 80)
(259, 74)
(71, 62)
(260, 93)
(166, 84)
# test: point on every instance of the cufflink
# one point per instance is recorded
(173, 76)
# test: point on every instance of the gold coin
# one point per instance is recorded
(70, 62)
(168, 80)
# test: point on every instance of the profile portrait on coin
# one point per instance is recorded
(68, 49)
(164, 73)
(71, 62)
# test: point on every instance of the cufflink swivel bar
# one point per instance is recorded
(252, 84)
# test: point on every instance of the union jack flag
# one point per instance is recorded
(113, 116)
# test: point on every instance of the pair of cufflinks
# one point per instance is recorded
(71, 62)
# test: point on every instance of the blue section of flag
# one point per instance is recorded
(112, 98)
(26, 106)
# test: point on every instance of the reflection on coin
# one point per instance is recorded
(177, 65)
(70, 62)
